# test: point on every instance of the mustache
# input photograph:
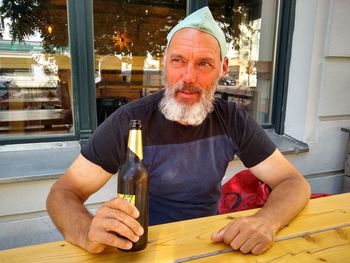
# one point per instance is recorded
(188, 88)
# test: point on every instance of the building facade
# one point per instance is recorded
(81, 60)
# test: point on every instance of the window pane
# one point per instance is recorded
(130, 37)
(250, 29)
(35, 74)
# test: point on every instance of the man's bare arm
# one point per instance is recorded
(290, 194)
(93, 233)
(290, 191)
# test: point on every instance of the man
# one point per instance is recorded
(189, 139)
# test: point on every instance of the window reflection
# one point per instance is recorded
(130, 38)
(250, 29)
(35, 75)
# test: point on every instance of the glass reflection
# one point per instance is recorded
(250, 29)
(35, 78)
(130, 38)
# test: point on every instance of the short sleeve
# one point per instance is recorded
(108, 144)
(254, 145)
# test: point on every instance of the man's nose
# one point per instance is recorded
(189, 75)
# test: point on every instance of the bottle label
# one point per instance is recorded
(135, 143)
(130, 198)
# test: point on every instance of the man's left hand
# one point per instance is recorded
(253, 234)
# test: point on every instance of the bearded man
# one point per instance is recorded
(189, 138)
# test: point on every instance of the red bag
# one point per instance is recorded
(243, 191)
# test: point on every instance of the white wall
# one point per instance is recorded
(318, 103)
(23, 216)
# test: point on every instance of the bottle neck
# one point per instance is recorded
(135, 143)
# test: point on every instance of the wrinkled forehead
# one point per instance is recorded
(194, 41)
(191, 43)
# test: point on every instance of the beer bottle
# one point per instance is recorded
(133, 181)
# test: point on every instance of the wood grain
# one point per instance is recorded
(173, 241)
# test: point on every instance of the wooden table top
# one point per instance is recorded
(320, 233)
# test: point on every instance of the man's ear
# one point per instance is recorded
(225, 68)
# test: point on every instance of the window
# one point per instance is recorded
(249, 26)
(35, 76)
(116, 52)
(130, 38)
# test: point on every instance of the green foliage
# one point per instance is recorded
(29, 17)
(137, 19)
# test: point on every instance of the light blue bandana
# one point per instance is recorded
(202, 20)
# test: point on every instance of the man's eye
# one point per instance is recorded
(176, 61)
(204, 64)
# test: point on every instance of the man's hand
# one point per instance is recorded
(290, 193)
(113, 221)
(248, 234)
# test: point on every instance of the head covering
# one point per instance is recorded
(202, 20)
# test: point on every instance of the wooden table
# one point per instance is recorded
(321, 233)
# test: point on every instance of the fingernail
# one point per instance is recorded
(214, 237)
(136, 213)
(219, 233)
(129, 245)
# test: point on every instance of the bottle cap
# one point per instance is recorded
(135, 124)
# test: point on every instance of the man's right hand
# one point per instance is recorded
(114, 220)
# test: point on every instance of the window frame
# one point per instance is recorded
(283, 50)
(81, 40)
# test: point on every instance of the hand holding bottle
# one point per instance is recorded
(133, 181)
(115, 224)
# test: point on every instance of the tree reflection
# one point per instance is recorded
(145, 23)
(30, 17)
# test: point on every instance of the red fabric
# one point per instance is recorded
(244, 191)
(317, 195)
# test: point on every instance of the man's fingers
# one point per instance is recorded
(114, 225)
(260, 248)
(237, 241)
(120, 228)
(247, 234)
(112, 240)
(219, 235)
(123, 205)
(114, 217)
(246, 247)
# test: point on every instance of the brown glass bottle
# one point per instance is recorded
(133, 180)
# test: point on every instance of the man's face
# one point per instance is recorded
(192, 59)
(192, 68)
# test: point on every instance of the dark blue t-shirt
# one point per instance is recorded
(186, 163)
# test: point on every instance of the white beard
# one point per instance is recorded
(187, 114)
